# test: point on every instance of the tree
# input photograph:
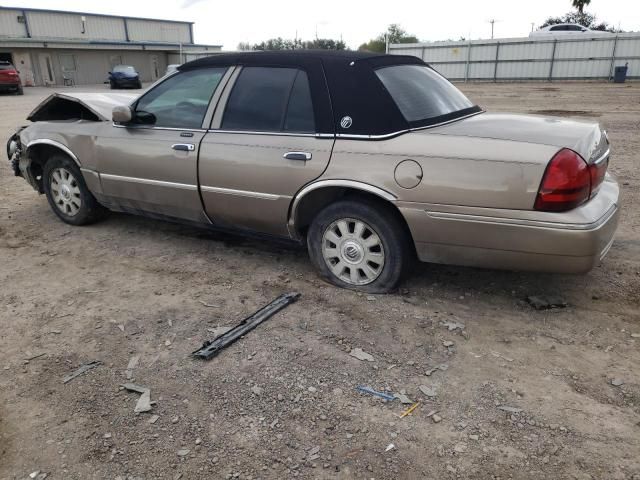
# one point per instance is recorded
(580, 4)
(395, 34)
(280, 43)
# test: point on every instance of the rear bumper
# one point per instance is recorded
(571, 242)
(9, 86)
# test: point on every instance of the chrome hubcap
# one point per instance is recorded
(65, 191)
(353, 251)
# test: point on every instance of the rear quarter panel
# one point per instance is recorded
(466, 171)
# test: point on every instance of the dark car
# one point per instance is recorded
(124, 76)
(10, 79)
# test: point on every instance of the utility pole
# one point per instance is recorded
(492, 22)
(532, 25)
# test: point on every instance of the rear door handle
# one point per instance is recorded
(304, 156)
(184, 147)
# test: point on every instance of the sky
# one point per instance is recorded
(228, 22)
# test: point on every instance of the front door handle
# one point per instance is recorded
(304, 156)
(184, 147)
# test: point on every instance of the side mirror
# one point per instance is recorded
(122, 114)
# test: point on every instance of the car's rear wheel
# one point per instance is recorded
(19, 90)
(359, 245)
(67, 192)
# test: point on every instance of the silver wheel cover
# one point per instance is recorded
(65, 191)
(353, 251)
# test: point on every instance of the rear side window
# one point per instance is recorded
(421, 93)
(270, 100)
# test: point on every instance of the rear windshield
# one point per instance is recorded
(422, 94)
(124, 69)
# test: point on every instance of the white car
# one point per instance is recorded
(566, 29)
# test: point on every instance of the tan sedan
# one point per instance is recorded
(372, 160)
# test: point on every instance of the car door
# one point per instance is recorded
(153, 168)
(266, 143)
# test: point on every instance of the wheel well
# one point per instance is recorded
(314, 202)
(39, 155)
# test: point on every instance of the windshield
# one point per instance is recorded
(422, 94)
(124, 69)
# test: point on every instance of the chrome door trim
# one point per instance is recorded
(275, 134)
(148, 181)
(53, 143)
(332, 183)
(173, 129)
(242, 193)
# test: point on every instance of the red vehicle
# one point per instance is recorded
(10, 78)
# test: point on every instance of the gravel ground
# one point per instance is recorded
(519, 393)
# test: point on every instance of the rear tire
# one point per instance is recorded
(112, 85)
(19, 90)
(67, 192)
(360, 245)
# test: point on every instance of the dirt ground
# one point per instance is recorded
(521, 393)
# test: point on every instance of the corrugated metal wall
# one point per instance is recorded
(144, 30)
(9, 24)
(560, 58)
(69, 25)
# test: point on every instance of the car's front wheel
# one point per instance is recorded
(360, 245)
(67, 192)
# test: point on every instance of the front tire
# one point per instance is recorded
(360, 245)
(19, 90)
(67, 192)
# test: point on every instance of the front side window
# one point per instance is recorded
(422, 94)
(270, 100)
(181, 101)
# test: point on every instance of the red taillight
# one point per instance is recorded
(566, 183)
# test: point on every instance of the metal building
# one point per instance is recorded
(52, 47)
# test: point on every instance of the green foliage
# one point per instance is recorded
(280, 43)
(582, 18)
(580, 4)
(396, 35)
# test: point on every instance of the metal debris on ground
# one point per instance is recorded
(617, 382)
(546, 303)
(144, 402)
(391, 446)
(409, 410)
(371, 391)
(212, 348)
(447, 343)
(361, 355)
(506, 408)
(80, 370)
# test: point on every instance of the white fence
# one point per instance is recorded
(559, 58)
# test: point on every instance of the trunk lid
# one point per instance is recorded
(584, 137)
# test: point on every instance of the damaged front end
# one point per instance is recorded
(15, 152)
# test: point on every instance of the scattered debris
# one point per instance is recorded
(121, 327)
(506, 408)
(635, 335)
(546, 303)
(212, 348)
(183, 452)
(210, 305)
(80, 370)
(144, 402)
(391, 446)
(403, 398)
(133, 363)
(154, 419)
(447, 343)
(409, 410)
(371, 391)
(33, 357)
(38, 475)
(256, 390)
(617, 382)
(428, 391)
(443, 367)
(453, 326)
(436, 418)
(460, 447)
(499, 355)
(361, 355)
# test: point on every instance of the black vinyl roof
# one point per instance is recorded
(343, 84)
